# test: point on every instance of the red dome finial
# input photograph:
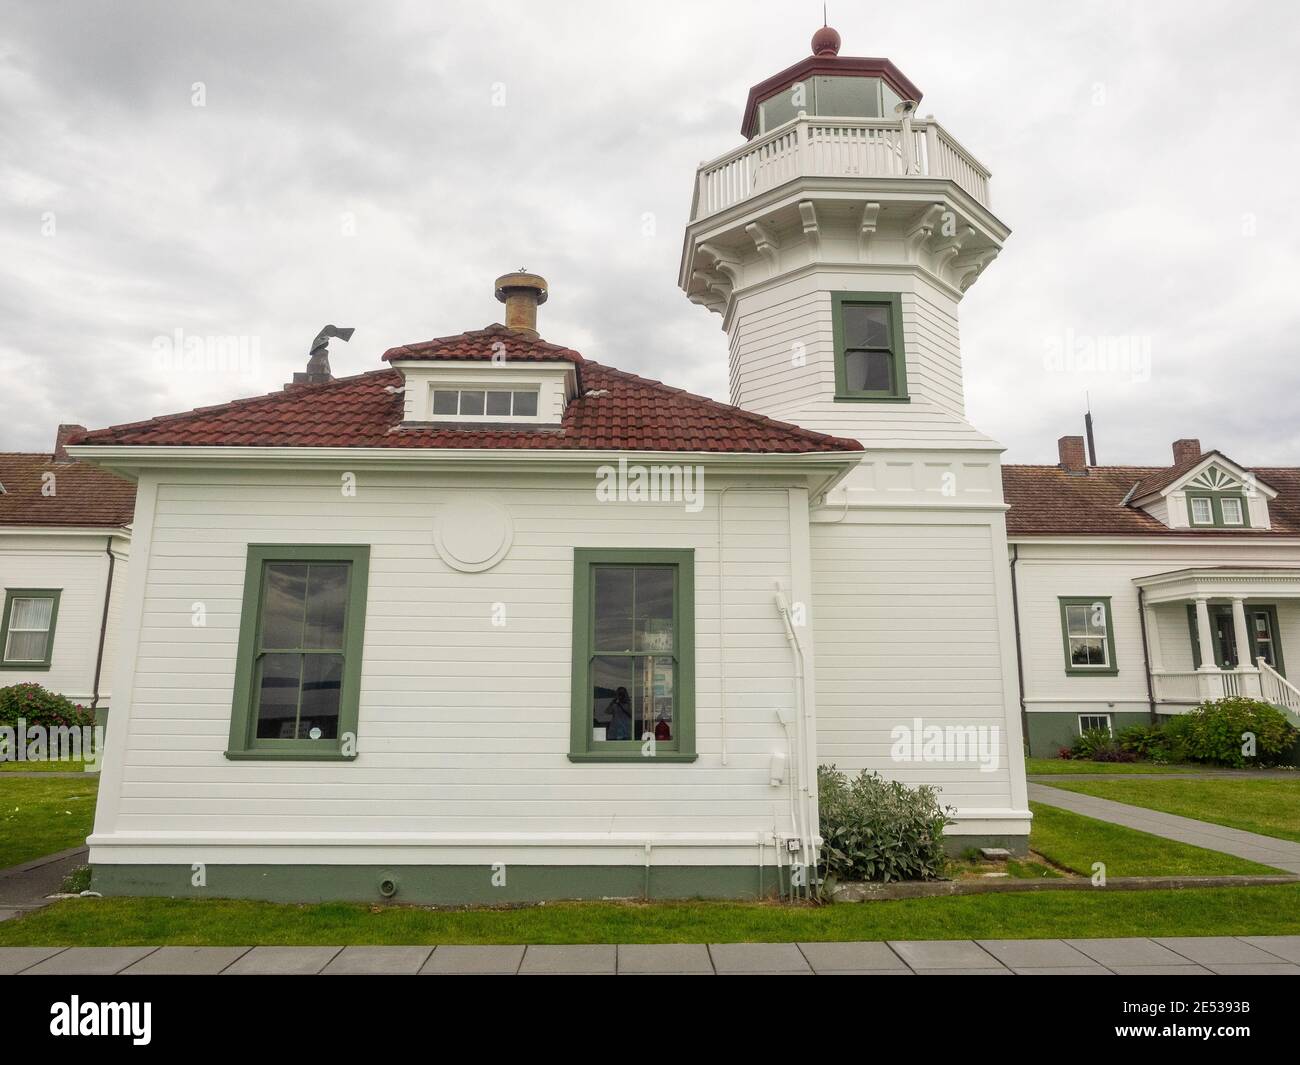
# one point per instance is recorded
(826, 42)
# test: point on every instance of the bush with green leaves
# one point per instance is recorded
(38, 706)
(1149, 743)
(877, 829)
(1098, 745)
(1221, 733)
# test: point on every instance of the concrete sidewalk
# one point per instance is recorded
(1223, 955)
(25, 887)
(1267, 850)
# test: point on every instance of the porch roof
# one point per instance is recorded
(1221, 582)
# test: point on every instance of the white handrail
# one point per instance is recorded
(1277, 689)
(820, 146)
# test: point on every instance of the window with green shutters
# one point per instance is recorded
(1088, 635)
(868, 337)
(633, 656)
(301, 634)
(27, 628)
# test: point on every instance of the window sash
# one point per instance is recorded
(1087, 635)
(681, 747)
(1231, 509)
(28, 622)
(253, 656)
(1202, 510)
(845, 346)
(1088, 722)
(484, 402)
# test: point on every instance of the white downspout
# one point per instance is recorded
(807, 773)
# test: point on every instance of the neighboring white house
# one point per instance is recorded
(1124, 575)
(498, 622)
(64, 539)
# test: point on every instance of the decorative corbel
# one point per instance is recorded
(723, 262)
(922, 229)
(867, 228)
(714, 282)
(811, 231)
(766, 244)
(967, 267)
(946, 250)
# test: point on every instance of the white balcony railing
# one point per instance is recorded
(1196, 686)
(1277, 689)
(836, 147)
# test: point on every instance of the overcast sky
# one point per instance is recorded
(256, 171)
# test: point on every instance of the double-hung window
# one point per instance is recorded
(1218, 510)
(298, 674)
(1088, 635)
(633, 656)
(27, 628)
(868, 337)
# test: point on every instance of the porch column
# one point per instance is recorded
(1245, 659)
(1211, 686)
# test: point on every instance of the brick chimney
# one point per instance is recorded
(522, 293)
(1186, 451)
(65, 434)
(1070, 449)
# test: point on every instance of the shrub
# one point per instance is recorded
(1213, 731)
(37, 706)
(1146, 742)
(1094, 745)
(877, 829)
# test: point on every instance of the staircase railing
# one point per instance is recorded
(1277, 689)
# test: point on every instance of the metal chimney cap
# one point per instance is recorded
(521, 281)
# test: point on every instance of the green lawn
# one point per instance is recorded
(1074, 842)
(43, 816)
(1056, 766)
(1270, 807)
(42, 767)
(1099, 913)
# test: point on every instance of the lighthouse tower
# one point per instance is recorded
(837, 243)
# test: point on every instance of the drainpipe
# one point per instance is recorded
(1146, 654)
(808, 772)
(103, 624)
(1020, 656)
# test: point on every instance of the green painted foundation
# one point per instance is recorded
(956, 846)
(1050, 731)
(440, 885)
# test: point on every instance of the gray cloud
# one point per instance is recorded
(350, 166)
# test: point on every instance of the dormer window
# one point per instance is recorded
(484, 403)
(1202, 510)
(1217, 511)
(1232, 510)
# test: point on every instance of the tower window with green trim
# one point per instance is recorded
(27, 628)
(633, 655)
(869, 360)
(298, 674)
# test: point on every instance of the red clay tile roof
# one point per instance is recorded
(1047, 500)
(84, 495)
(495, 341)
(616, 411)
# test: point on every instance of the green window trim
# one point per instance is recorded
(1111, 668)
(1216, 509)
(244, 745)
(582, 748)
(11, 594)
(898, 392)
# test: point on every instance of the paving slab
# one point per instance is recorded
(1159, 970)
(852, 957)
(1281, 968)
(866, 972)
(1127, 952)
(9, 915)
(1216, 950)
(283, 961)
(599, 960)
(377, 961)
(186, 961)
(964, 972)
(1285, 947)
(677, 958)
(1063, 970)
(474, 961)
(732, 958)
(1037, 954)
(16, 959)
(944, 954)
(89, 961)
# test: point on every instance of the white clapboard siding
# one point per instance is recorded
(464, 727)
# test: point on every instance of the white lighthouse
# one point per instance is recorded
(837, 243)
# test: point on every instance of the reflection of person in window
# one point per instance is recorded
(618, 716)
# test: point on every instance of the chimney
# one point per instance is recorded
(1186, 451)
(318, 360)
(65, 434)
(522, 293)
(1070, 449)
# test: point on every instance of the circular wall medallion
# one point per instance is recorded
(472, 535)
